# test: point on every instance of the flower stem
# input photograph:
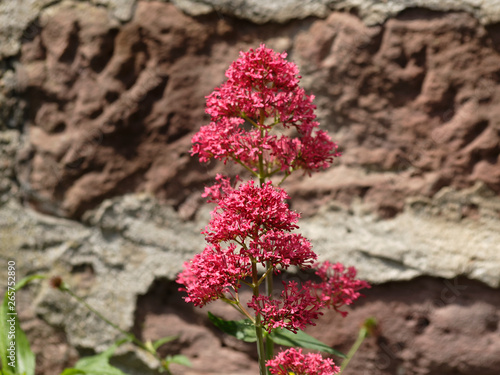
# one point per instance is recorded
(269, 269)
(269, 279)
(246, 166)
(237, 305)
(259, 332)
(284, 178)
(269, 347)
(268, 275)
(260, 346)
(363, 333)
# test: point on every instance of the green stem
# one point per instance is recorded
(259, 332)
(237, 305)
(245, 117)
(246, 167)
(269, 279)
(263, 174)
(363, 333)
(284, 178)
(269, 347)
(272, 173)
(269, 269)
(260, 346)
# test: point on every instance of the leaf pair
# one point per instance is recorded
(245, 330)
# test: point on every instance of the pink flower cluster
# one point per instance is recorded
(297, 308)
(247, 212)
(338, 286)
(262, 91)
(215, 273)
(263, 120)
(293, 361)
(254, 224)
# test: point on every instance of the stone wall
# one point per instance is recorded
(99, 101)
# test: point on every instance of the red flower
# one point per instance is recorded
(262, 90)
(213, 274)
(295, 309)
(338, 286)
(255, 222)
(292, 361)
(282, 249)
(247, 212)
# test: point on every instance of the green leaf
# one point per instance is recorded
(164, 340)
(179, 359)
(21, 284)
(11, 333)
(303, 340)
(97, 364)
(241, 329)
(25, 357)
(72, 371)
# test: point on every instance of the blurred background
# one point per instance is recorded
(99, 101)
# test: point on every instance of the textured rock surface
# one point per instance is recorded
(371, 11)
(92, 109)
(413, 104)
(15, 18)
(454, 234)
(19, 19)
(111, 114)
(420, 315)
(130, 243)
(9, 144)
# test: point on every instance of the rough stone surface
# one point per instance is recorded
(120, 262)
(453, 317)
(413, 104)
(96, 182)
(372, 12)
(18, 19)
(113, 113)
(9, 144)
(50, 343)
(454, 234)
(122, 10)
(15, 17)
(11, 111)
(109, 265)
